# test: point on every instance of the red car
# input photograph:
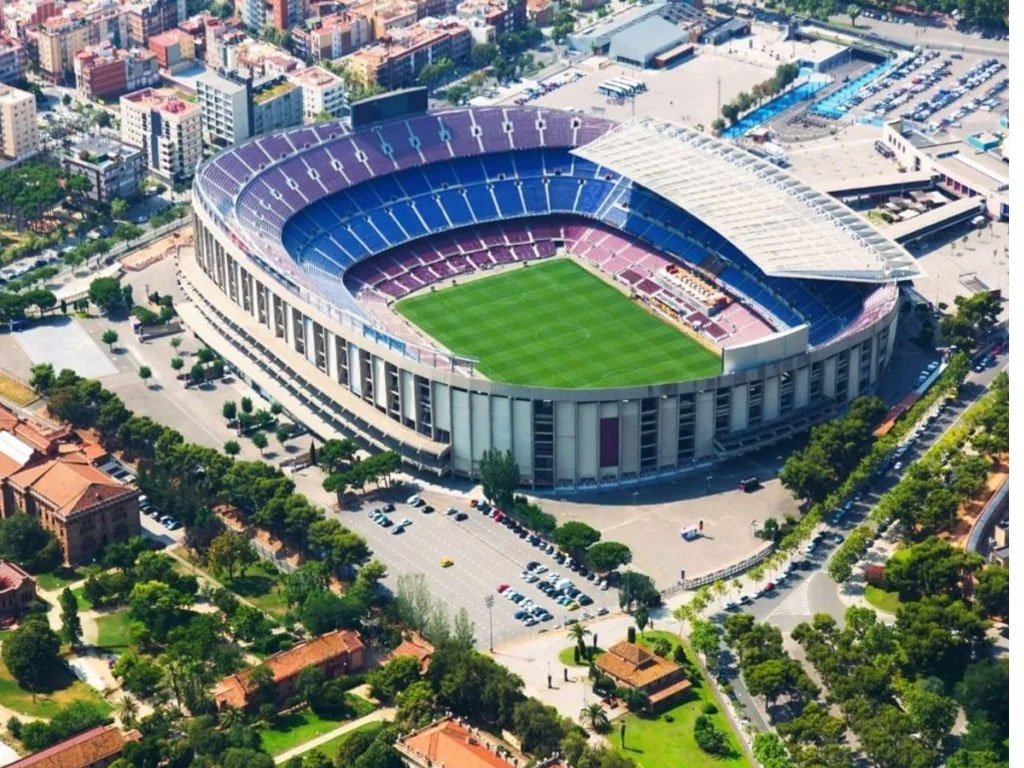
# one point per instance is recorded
(498, 515)
(502, 588)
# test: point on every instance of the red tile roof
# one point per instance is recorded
(452, 745)
(81, 751)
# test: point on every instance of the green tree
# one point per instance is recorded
(177, 364)
(607, 556)
(229, 410)
(31, 650)
(853, 11)
(145, 373)
(708, 737)
(232, 448)
(499, 476)
(931, 713)
(105, 293)
(229, 551)
(118, 207)
(109, 338)
(575, 537)
(70, 623)
(390, 679)
(992, 591)
(594, 716)
(23, 540)
(705, 637)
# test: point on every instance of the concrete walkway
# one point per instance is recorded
(385, 714)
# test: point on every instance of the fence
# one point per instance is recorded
(722, 573)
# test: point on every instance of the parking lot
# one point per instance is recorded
(483, 553)
(936, 88)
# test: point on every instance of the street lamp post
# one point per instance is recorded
(489, 602)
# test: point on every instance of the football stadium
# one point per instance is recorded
(612, 302)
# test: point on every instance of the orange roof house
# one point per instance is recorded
(451, 744)
(95, 748)
(337, 653)
(633, 666)
(416, 646)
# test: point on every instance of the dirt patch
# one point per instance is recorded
(136, 261)
(969, 512)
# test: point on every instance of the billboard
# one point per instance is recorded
(387, 106)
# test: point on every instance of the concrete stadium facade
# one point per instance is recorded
(336, 374)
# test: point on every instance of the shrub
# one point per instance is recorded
(709, 708)
(669, 719)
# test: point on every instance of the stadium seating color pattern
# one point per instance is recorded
(393, 208)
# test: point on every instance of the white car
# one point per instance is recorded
(415, 501)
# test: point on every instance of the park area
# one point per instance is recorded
(55, 689)
(666, 740)
(557, 325)
(299, 726)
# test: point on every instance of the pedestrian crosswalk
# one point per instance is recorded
(796, 603)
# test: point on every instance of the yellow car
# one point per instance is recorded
(447, 562)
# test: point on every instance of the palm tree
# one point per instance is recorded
(579, 633)
(128, 709)
(595, 716)
(230, 717)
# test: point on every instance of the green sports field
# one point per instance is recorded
(556, 325)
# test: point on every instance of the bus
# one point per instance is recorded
(608, 88)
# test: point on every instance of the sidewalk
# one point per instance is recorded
(386, 713)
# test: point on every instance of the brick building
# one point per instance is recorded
(450, 743)
(632, 666)
(173, 49)
(332, 37)
(50, 474)
(166, 128)
(105, 72)
(12, 59)
(337, 653)
(96, 748)
(17, 591)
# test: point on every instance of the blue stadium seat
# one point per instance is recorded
(469, 170)
(563, 191)
(387, 227)
(455, 206)
(481, 202)
(535, 196)
(528, 162)
(440, 176)
(407, 217)
(362, 229)
(413, 182)
(498, 166)
(431, 213)
(508, 198)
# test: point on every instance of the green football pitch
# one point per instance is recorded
(556, 325)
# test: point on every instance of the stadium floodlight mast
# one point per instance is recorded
(489, 602)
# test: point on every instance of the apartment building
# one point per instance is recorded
(174, 49)
(224, 104)
(50, 473)
(323, 93)
(105, 72)
(234, 107)
(114, 168)
(12, 59)
(59, 38)
(332, 37)
(500, 15)
(166, 128)
(280, 14)
(398, 59)
(19, 132)
(149, 18)
(276, 103)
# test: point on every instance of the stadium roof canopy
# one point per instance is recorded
(781, 224)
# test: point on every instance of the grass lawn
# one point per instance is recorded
(882, 600)
(330, 748)
(565, 656)
(59, 578)
(59, 688)
(654, 742)
(15, 391)
(262, 590)
(557, 325)
(83, 601)
(302, 725)
(113, 630)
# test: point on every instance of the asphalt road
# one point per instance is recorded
(807, 593)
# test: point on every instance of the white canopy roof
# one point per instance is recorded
(781, 224)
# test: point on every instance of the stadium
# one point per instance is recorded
(610, 302)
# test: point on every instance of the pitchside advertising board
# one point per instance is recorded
(388, 106)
